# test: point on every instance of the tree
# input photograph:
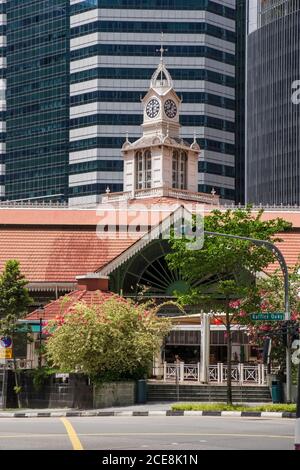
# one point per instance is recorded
(115, 339)
(270, 298)
(226, 267)
(14, 303)
(14, 296)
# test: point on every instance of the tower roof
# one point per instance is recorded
(161, 80)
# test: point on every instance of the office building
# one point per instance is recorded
(2, 95)
(37, 100)
(273, 71)
(76, 73)
(114, 52)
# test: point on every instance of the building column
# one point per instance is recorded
(158, 365)
(205, 348)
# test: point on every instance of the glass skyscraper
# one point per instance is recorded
(273, 165)
(76, 71)
(37, 99)
(240, 115)
(2, 95)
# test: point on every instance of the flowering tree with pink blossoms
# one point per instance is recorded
(269, 297)
(113, 339)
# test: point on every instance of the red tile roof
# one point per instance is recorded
(57, 255)
(290, 248)
(66, 303)
(91, 217)
(56, 245)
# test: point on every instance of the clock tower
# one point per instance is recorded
(161, 105)
(160, 159)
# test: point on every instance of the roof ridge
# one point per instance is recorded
(81, 293)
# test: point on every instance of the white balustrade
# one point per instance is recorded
(191, 372)
(240, 373)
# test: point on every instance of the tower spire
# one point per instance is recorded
(161, 77)
(162, 50)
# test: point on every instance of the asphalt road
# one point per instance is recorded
(146, 433)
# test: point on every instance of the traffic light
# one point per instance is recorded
(294, 331)
(284, 333)
(289, 331)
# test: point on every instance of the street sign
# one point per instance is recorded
(5, 353)
(268, 316)
(6, 347)
(5, 342)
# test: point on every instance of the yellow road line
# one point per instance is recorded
(72, 434)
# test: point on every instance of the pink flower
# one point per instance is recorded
(235, 304)
(242, 313)
(265, 328)
(265, 305)
(295, 316)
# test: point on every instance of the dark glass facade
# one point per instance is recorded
(240, 110)
(37, 99)
(273, 165)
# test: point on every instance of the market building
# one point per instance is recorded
(121, 247)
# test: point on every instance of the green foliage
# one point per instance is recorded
(272, 289)
(114, 339)
(17, 389)
(223, 407)
(14, 297)
(224, 258)
(40, 376)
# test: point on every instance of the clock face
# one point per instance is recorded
(170, 109)
(152, 108)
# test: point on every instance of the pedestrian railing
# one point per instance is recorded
(217, 373)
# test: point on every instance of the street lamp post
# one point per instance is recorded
(297, 432)
(41, 312)
(279, 256)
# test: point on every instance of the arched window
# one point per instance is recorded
(179, 170)
(143, 162)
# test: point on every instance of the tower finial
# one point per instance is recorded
(195, 137)
(162, 50)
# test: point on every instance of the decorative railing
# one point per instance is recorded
(33, 204)
(240, 373)
(163, 192)
(192, 372)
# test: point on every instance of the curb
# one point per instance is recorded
(91, 413)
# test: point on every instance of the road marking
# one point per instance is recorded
(120, 434)
(72, 434)
(145, 434)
